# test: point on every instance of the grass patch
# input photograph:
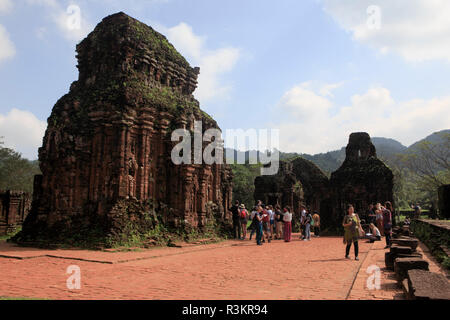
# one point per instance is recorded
(11, 234)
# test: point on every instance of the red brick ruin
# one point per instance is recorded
(14, 208)
(362, 179)
(106, 154)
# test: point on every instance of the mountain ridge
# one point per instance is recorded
(387, 150)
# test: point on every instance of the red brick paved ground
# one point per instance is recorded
(229, 270)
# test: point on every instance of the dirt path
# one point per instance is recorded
(234, 270)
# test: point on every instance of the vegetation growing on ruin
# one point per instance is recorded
(435, 239)
(156, 42)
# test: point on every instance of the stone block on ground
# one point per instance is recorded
(402, 265)
(389, 258)
(408, 242)
(425, 285)
(396, 249)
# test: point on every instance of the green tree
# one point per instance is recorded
(244, 182)
(427, 167)
(16, 173)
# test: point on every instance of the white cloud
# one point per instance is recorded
(22, 131)
(70, 20)
(415, 29)
(303, 103)
(308, 126)
(327, 89)
(5, 6)
(7, 48)
(213, 63)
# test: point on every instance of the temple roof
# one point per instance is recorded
(120, 28)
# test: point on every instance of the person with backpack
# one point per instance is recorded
(243, 215)
(308, 222)
(236, 223)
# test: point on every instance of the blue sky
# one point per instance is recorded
(315, 70)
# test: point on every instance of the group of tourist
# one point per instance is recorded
(380, 224)
(272, 223)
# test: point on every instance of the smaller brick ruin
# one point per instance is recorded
(362, 179)
(283, 188)
(298, 182)
(14, 208)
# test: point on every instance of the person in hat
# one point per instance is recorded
(243, 215)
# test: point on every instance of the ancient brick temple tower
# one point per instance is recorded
(362, 179)
(106, 153)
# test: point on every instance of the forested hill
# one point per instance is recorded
(387, 150)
